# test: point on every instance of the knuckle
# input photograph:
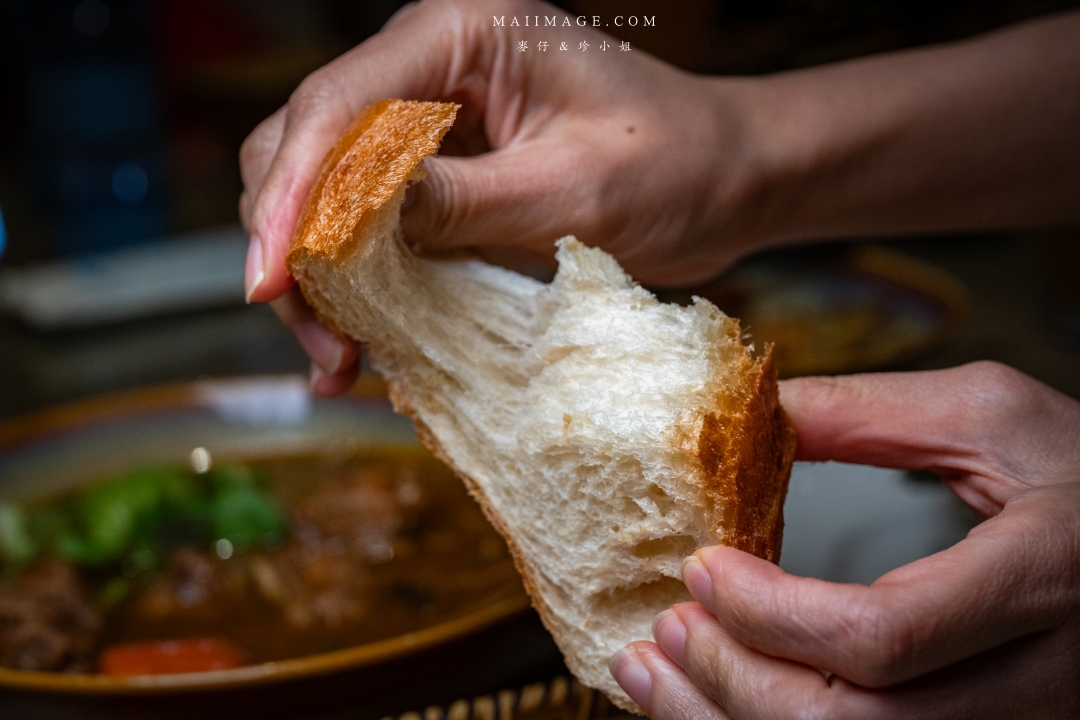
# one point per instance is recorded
(254, 145)
(882, 640)
(403, 12)
(258, 148)
(250, 147)
(317, 96)
(447, 203)
(310, 94)
(258, 137)
(996, 391)
(250, 175)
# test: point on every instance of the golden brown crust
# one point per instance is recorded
(378, 154)
(746, 453)
(745, 445)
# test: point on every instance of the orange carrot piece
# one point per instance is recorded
(170, 656)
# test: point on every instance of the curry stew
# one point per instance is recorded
(172, 570)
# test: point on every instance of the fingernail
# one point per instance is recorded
(324, 347)
(697, 580)
(316, 375)
(628, 670)
(670, 634)
(253, 268)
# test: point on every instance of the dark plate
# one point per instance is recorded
(62, 448)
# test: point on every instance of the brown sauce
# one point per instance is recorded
(379, 543)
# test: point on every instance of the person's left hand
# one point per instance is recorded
(665, 170)
(989, 628)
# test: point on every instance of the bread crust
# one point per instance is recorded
(737, 451)
(746, 453)
(378, 153)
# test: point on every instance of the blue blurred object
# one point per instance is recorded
(3, 234)
(95, 115)
(129, 183)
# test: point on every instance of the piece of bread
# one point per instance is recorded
(606, 435)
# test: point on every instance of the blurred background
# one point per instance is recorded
(119, 181)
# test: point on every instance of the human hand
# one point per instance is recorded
(615, 147)
(986, 629)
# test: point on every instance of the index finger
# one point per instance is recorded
(1018, 679)
(256, 154)
(1014, 575)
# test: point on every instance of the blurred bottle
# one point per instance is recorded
(96, 150)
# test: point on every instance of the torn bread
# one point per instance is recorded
(606, 435)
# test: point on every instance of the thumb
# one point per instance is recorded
(523, 196)
(989, 429)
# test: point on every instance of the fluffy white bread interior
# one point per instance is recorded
(607, 435)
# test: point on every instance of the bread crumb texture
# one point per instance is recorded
(606, 435)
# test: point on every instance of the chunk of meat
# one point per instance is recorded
(46, 620)
(321, 575)
(313, 586)
(361, 510)
(193, 585)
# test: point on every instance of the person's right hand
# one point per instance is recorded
(615, 147)
(989, 628)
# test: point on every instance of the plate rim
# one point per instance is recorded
(70, 416)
